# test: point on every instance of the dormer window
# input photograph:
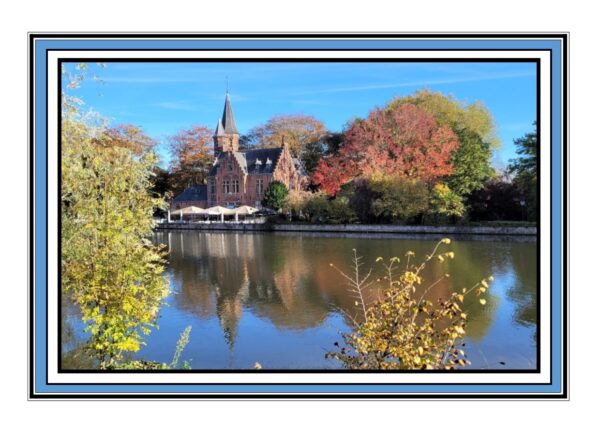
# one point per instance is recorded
(268, 161)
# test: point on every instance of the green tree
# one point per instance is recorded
(472, 168)
(445, 203)
(476, 131)
(525, 171)
(275, 195)
(109, 267)
(399, 199)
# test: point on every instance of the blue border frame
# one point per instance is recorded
(40, 44)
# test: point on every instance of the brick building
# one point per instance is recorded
(240, 177)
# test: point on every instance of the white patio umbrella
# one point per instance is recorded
(220, 210)
(188, 210)
(244, 211)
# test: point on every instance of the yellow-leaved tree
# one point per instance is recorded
(109, 267)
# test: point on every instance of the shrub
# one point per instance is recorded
(400, 199)
(295, 204)
(445, 204)
(403, 329)
(275, 195)
(319, 208)
(498, 200)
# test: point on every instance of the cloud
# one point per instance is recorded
(430, 82)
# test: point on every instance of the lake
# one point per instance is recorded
(273, 298)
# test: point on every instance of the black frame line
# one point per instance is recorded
(350, 395)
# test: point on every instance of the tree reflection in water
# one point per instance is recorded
(284, 284)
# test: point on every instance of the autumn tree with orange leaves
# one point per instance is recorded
(192, 156)
(127, 136)
(403, 141)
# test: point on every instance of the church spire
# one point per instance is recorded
(227, 137)
(219, 131)
(228, 121)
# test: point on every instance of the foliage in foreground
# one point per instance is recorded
(109, 267)
(184, 339)
(403, 329)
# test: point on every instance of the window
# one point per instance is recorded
(236, 186)
(211, 187)
(225, 186)
(259, 186)
(229, 166)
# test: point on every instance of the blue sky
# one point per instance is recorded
(164, 98)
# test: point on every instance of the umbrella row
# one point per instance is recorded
(215, 211)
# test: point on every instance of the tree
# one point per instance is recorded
(360, 197)
(127, 136)
(403, 140)
(525, 171)
(192, 157)
(474, 117)
(301, 133)
(161, 183)
(476, 131)
(275, 195)
(109, 268)
(399, 198)
(445, 203)
(497, 200)
(295, 203)
(471, 163)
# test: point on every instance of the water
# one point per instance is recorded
(275, 299)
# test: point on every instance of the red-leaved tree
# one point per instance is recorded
(403, 140)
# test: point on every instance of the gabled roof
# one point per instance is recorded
(267, 160)
(254, 161)
(193, 193)
(227, 120)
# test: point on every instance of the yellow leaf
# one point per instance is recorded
(482, 301)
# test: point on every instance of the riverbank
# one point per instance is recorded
(351, 228)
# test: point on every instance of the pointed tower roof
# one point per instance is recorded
(228, 121)
(219, 131)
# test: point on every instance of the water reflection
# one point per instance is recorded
(252, 283)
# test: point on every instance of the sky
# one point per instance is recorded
(164, 98)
